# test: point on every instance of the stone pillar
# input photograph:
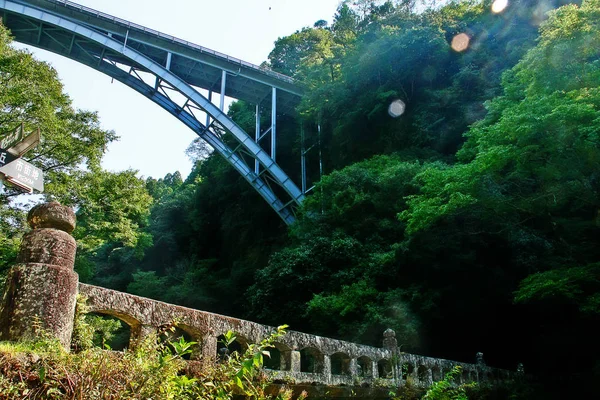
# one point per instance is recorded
(296, 365)
(389, 341)
(327, 367)
(428, 378)
(209, 347)
(42, 286)
(353, 367)
(285, 362)
(375, 370)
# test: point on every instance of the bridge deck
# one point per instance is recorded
(197, 65)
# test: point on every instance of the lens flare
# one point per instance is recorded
(396, 108)
(499, 5)
(460, 42)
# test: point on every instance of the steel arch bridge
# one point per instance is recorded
(168, 70)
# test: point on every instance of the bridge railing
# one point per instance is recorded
(299, 357)
(202, 49)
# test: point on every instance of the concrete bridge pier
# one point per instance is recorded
(41, 289)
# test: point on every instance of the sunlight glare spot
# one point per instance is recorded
(460, 42)
(499, 5)
(396, 108)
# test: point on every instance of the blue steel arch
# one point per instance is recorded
(31, 24)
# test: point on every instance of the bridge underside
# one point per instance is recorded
(168, 71)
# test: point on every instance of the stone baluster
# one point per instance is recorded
(209, 345)
(428, 377)
(327, 367)
(354, 367)
(140, 332)
(375, 370)
(42, 286)
(296, 365)
(285, 360)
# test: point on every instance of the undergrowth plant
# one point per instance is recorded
(153, 369)
(448, 389)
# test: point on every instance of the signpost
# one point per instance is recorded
(24, 175)
(12, 138)
(18, 143)
(15, 170)
(6, 157)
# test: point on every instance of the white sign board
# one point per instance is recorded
(23, 174)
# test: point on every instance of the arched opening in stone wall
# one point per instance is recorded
(364, 366)
(174, 337)
(384, 369)
(109, 330)
(226, 350)
(280, 358)
(407, 370)
(436, 374)
(340, 364)
(445, 372)
(311, 360)
(473, 376)
(467, 376)
(423, 374)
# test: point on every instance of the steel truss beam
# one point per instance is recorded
(100, 51)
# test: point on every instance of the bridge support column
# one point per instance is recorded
(257, 137)
(42, 287)
(223, 85)
(210, 100)
(295, 365)
(274, 124)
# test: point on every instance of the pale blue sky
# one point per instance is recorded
(152, 141)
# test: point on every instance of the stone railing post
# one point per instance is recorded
(42, 286)
(390, 343)
(208, 348)
(327, 367)
(141, 332)
(375, 367)
(296, 363)
(285, 364)
(353, 367)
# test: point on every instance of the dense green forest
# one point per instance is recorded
(469, 223)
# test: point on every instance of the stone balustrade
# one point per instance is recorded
(297, 357)
(43, 287)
